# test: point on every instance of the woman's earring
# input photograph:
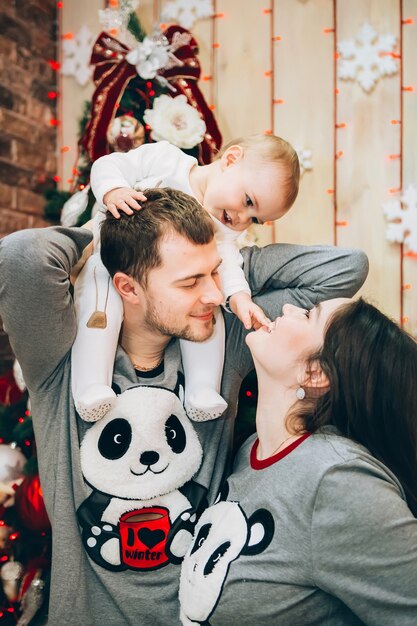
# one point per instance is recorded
(300, 393)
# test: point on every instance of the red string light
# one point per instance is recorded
(342, 223)
(54, 65)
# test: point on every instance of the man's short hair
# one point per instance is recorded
(130, 244)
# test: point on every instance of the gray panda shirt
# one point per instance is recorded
(38, 314)
(320, 533)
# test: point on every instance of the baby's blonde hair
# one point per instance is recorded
(273, 149)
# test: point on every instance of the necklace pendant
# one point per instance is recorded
(98, 319)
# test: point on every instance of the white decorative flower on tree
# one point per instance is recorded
(149, 56)
(186, 12)
(403, 219)
(304, 157)
(176, 121)
(367, 58)
(76, 56)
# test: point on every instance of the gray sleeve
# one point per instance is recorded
(300, 275)
(35, 301)
(364, 544)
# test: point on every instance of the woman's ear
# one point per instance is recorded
(232, 155)
(127, 287)
(315, 378)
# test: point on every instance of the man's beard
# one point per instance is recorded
(169, 328)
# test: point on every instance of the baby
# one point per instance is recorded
(254, 180)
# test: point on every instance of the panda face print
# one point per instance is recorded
(143, 448)
(222, 534)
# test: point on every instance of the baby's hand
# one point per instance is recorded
(249, 313)
(123, 199)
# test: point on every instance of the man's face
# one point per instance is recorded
(183, 292)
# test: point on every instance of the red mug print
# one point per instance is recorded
(143, 537)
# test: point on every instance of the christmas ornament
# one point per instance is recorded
(304, 158)
(125, 132)
(4, 538)
(32, 598)
(74, 207)
(30, 506)
(176, 121)
(367, 58)
(12, 462)
(10, 575)
(10, 393)
(403, 213)
(76, 56)
(186, 12)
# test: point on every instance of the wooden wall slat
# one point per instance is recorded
(410, 149)
(365, 173)
(304, 80)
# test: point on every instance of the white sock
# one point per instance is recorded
(203, 368)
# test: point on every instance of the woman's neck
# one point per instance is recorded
(274, 404)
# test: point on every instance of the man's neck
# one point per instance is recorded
(145, 348)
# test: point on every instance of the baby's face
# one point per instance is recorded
(246, 192)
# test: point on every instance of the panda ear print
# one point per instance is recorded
(180, 386)
(261, 528)
(223, 493)
(116, 389)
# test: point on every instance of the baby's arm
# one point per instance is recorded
(249, 313)
(114, 176)
(235, 287)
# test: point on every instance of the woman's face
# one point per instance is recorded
(294, 336)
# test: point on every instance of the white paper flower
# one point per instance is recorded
(149, 56)
(176, 121)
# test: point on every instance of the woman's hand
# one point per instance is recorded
(123, 199)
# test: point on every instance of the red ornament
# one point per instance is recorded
(9, 391)
(30, 506)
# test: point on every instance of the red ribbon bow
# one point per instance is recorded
(112, 73)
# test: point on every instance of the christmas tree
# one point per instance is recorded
(25, 536)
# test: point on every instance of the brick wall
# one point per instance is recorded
(27, 140)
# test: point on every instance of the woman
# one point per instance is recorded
(317, 524)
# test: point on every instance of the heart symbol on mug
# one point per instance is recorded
(150, 538)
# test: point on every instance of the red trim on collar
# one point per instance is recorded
(261, 464)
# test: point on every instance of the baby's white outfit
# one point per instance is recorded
(151, 165)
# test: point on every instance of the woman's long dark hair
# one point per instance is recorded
(372, 368)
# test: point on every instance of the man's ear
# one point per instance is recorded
(232, 155)
(314, 378)
(128, 288)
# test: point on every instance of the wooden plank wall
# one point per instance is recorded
(269, 65)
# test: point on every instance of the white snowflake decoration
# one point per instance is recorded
(403, 213)
(76, 55)
(186, 12)
(367, 58)
(304, 157)
(117, 19)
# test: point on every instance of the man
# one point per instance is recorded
(167, 278)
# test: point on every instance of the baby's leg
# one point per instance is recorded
(203, 368)
(99, 313)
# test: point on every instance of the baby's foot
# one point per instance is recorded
(204, 404)
(95, 402)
